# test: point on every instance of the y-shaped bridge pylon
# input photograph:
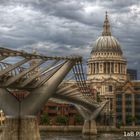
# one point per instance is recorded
(89, 109)
(79, 93)
(41, 85)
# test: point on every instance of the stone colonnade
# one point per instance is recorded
(110, 67)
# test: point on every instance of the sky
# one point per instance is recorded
(65, 27)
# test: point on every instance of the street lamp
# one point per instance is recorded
(1, 117)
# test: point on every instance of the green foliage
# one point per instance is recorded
(61, 119)
(44, 118)
(119, 124)
(133, 119)
(129, 119)
(98, 97)
(137, 118)
(78, 118)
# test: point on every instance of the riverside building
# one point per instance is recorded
(107, 74)
(106, 66)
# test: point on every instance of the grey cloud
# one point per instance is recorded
(65, 27)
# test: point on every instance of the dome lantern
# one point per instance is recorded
(106, 43)
(106, 27)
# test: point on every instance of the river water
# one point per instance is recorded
(78, 136)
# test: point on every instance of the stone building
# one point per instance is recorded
(106, 62)
(107, 73)
(131, 74)
(127, 104)
(106, 66)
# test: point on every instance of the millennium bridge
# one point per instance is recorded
(42, 77)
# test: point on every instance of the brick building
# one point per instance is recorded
(54, 110)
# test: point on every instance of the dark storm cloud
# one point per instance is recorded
(64, 27)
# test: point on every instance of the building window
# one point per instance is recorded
(128, 97)
(52, 107)
(110, 88)
(119, 96)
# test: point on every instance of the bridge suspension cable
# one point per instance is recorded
(81, 82)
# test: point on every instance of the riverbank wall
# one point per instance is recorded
(79, 128)
(76, 128)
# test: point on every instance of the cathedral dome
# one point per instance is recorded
(106, 59)
(106, 42)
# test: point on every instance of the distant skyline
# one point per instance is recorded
(65, 27)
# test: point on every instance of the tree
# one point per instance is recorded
(129, 119)
(45, 118)
(61, 119)
(98, 97)
(78, 119)
(119, 124)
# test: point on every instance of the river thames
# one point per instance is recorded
(78, 136)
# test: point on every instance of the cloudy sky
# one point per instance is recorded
(64, 27)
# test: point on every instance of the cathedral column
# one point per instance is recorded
(91, 68)
(103, 67)
(110, 67)
(121, 68)
(87, 68)
(117, 67)
(106, 68)
(100, 67)
(95, 67)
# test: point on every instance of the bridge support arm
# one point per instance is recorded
(89, 127)
(75, 101)
(8, 103)
(37, 98)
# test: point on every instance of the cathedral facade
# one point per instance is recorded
(106, 64)
(107, 75)
(106, 68)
